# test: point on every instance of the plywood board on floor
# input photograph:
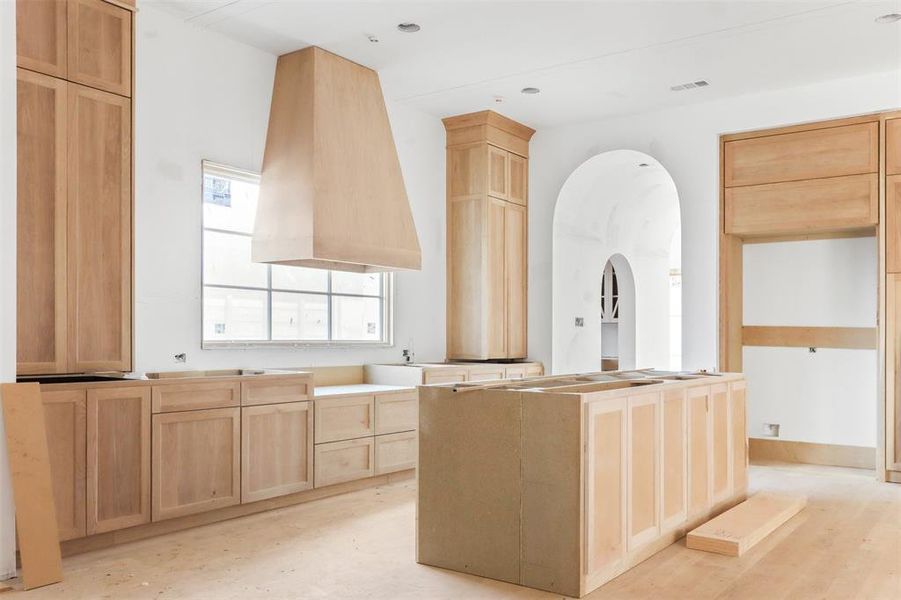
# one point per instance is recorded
(737, 530)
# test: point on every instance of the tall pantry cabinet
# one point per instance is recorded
(74, 158)
(487, 236)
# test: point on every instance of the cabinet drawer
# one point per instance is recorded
(486, 374)
(534, 370)
(344, 461)
(294, 389)
(344, 418)
(517, 372)
(194, 396)
(444, 376)
(395, 452)
(803, 206)
(396, 412)
(829, 152)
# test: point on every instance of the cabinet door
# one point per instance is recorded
(893, 368)
(893, 147)
(465, 282)
(65, 414)
(739, 436)
(41, 224)
(516, 273)
(337, 462)
(99, 230)
(396, 412)
(606, 482)
(196, 461)
(893, 224)
(395, 452)
(41, 36)
(344, 418)
(519, 179)
(495, 280)
(643, 466)
(276, 450)
(118, 458)
(720, 424)
(698, 450)
(99, 42)
(498, 173)
(674, 459)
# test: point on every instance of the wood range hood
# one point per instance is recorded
(332, 194)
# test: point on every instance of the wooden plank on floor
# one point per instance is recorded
(29, 465)
(739, 529)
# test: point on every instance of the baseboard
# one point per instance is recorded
(860, 457)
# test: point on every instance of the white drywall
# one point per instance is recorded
(7, 265)
(201, 96)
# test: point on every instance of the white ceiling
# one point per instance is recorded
(590, 59)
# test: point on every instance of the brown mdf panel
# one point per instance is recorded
(893, 223)
(99, 45)
(893, 147)
(519, 179)
(195, 396)
(196, 461)
(337, 462)
(812, 154)
(643, 469)
(498, 173)
(344, 418)
(290, 389)
(698, 450)
(467, 170)
(674, 458)
(739, 420)
(41, 309)
(466, 219)
(396, 412)
(65, 417)
(494, 272)
(605, 472)
(118, 458)
(720, 446)
(803, 207)
(41, 36)
(395, 452)
(276, 450)
(516, 248)
(99, 231)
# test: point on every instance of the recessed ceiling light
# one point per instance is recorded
(889, 18)
(409, 27)
(643, 165)
(690, 85)
(530, 90)
(373, 39)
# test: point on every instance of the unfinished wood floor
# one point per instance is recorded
(846, 544)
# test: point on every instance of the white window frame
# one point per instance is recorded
(387, 294)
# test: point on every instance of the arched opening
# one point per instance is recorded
(617, 315)
(619, 206)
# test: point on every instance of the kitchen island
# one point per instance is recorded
(562, 483)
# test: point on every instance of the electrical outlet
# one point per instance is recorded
(771, 429)
(181, 357)
(580, 321)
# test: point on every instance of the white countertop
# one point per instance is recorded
(358, 388)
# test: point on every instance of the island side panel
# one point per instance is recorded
(552, 492)
(470, 482)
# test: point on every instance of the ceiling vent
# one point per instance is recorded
(690, 85)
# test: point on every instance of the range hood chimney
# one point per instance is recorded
(331, 193)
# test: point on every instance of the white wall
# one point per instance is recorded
(202, 96)
(7, 264)
(685, 141)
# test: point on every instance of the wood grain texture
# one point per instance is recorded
(99, 45)
(516, 273)
(41, 193)
(893, 146)
(396, 412)
(275, 390)
(811, 337)
(29, 466)
(519, 179)
(41, 36)
(893, 222)
(739, 529)
(674, 458)
(720, 442)
(892, 423)
(643, 460)
(344, 418)
(65, 415)
(395, 452)
(195, 396)
(739, 414)
(276, 450)
(337, 462)
(789, 451)
(699, 450)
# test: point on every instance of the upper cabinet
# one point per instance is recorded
(41, 36)
(487, 254)
(893, 146)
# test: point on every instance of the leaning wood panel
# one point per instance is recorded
(803, 207)
(813, 154)
(29, 465)
(739, 529)
(811, 337)
(65, 413)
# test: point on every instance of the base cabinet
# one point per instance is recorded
(65, 415)
(395, 452)
(337, 462)
(196, 461)
(276, 450)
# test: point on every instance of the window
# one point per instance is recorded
(249, 303)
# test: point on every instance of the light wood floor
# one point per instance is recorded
(846, 544)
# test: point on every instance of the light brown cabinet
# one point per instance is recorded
(643, 469)
(41, 36)
(395, 452)
(674, 459)
(396, 412)
(893, 146)
(65, 415)
(698, 449)
(337, 462)
(196, 461)
(99, 45)
(487, 254)
(276, 450)
(118, 458)
(344, 418)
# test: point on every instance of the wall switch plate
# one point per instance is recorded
(580, 321)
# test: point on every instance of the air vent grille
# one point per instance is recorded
(690, 85)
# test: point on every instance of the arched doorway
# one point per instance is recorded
(617, 315)
(620, 206)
